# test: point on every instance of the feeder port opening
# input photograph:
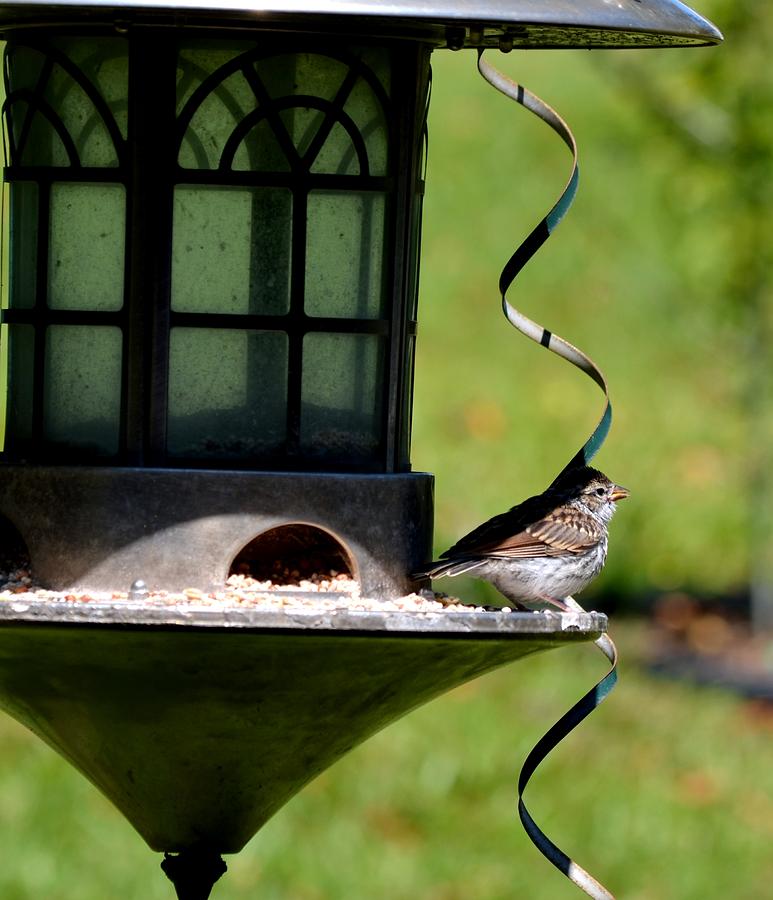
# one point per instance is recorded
(294, 553)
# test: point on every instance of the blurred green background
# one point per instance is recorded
(660, 272)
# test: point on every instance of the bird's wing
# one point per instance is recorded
(528, 530)
(567, 532)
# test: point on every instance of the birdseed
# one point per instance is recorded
(326, 591)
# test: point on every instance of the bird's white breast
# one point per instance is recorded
(551, 576)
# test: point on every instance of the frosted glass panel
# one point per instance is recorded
(86, 254)
(21, 345)
(24, 244)
(343, 383)
(227, 392)
(365, 109)
(302, 124)
(260, 151)
(231, 250)
(344, 255)
(338, 155)
(305, 74)
(82, 399)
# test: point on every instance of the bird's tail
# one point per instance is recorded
(449, 567)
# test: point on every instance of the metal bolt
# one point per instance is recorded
(138, 590)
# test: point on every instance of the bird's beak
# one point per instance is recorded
(619, 493)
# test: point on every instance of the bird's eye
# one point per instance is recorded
(600, 492)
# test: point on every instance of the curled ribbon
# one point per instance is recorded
(572, 354)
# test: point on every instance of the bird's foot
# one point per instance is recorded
(564, 607)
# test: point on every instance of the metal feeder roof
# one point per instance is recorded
(456, 23)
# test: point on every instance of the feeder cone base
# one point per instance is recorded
(193, 872)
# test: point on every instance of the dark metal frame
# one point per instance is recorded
(149, 170)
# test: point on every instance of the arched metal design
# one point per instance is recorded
(55, 110)
(264, 85)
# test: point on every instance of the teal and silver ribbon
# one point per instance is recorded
(572, 354)
(533, 242)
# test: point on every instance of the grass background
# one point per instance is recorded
(659, 272)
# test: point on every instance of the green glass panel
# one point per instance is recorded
(344, 255)
(21, 354)
(343, 385)
(310, 74)
(82, 70)
(23, 268)
(86, 246)
(302, 124)
(227, 393)
(231, 250)
(82, 391)
(260, 151)
(338, 155)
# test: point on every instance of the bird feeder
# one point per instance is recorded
(212, 216)
(211, 304)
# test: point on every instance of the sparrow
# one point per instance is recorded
(545, 549)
